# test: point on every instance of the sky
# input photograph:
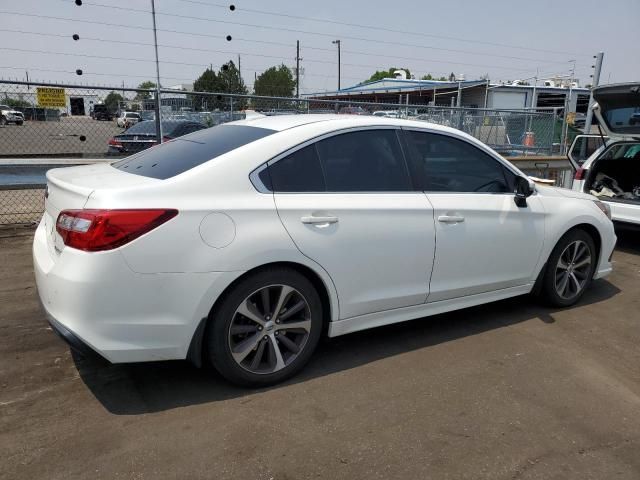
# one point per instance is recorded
(506, 39)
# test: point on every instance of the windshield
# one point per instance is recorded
(182, 154)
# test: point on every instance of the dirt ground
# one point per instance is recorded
(509, 390)
(69, 136)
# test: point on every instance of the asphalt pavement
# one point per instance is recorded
(509, 390)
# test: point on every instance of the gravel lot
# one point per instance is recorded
(509, 390)
(70, 136)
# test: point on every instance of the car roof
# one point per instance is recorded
(285, 122)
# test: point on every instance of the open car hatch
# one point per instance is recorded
(618, 110)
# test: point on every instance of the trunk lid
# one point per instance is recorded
(70, 188)
(617, 108)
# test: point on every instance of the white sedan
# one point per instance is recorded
(242, 244)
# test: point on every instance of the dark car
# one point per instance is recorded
(101, 112)
(142, 135)
(353, 111)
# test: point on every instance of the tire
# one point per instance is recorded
(567, 276)
(3, 121)
(256, 350)
(19, 123)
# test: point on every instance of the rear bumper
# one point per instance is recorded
(75, 342)
(97, 303)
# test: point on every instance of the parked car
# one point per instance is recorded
(126, 119)
(147, 115)
(101, 112)
(353, 111)
(242, 244)
(10, 115)
(143, 135)
(612, 172)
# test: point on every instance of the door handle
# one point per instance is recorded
(313, 220)
(451, 218)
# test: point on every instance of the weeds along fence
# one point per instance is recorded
(75, 124)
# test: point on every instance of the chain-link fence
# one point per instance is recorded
(41, 122)
(21, 204)
(86, 122)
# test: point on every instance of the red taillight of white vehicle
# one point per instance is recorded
(579, 174)
(98, 230)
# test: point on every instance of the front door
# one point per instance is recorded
(484, 241)
(348, 204)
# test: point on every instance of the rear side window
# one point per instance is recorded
(298, 172)
(364, 161)
(182, 154)
(445, 164)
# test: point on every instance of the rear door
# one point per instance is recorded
(348, 203)
(618, 110)
(484, 241)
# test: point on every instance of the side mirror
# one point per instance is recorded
(524, 189)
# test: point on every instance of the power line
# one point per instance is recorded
(375, 27)
(330, 62)
(190, 17)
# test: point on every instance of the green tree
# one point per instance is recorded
(428, 76)
(112, 101)
(382, 74)
(148, 85)
(207, 82)
(15, 102)
(275, 82)
(227, 80)
(443, 79)
(230, 79)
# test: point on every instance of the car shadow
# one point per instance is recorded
(628, 239)
(131, 389)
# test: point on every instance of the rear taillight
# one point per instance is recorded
(579, 174)
(97, 230)
(114, 143)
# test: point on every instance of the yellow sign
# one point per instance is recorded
(51, 97)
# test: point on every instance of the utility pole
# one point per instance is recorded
(239, 69)
(155, 43)
(298, 69)
(337, 42)
(594, 84)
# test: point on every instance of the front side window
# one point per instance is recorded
(364, 161)
(446, 164)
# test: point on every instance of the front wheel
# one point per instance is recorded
(266, 329)
(570, 268)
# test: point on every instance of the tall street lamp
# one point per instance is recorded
(337, 42)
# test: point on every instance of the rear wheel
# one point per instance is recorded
(266, 329)
(570, 268)
(3, 121)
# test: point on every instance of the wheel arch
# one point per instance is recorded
(590, 229)
(196, 350)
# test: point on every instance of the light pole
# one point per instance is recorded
(337, 42)
(155, 43)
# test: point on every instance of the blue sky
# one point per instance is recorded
(506, 39)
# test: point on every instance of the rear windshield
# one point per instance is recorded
(182, 154)
(132, 115)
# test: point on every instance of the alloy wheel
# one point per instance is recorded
(269, 329)
(572, 270)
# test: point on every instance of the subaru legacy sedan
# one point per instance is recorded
(242, 244)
